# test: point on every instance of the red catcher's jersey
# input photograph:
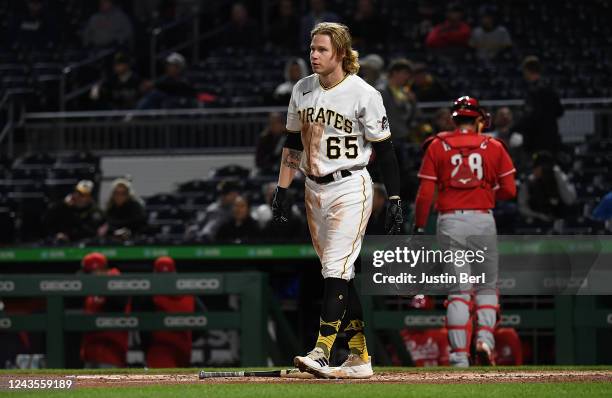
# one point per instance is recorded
(427, 347)
(460, 156)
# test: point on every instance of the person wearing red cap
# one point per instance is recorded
(170, 349)
(103, 349)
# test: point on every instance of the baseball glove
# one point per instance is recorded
(395, 217)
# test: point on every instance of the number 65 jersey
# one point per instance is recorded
(466, 167)
(336, 123)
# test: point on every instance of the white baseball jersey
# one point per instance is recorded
(337, 123)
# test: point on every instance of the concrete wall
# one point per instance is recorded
(157, 174)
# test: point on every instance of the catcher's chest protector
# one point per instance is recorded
(467, 161)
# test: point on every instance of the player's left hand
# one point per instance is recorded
(395, 217)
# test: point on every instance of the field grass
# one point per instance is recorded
(337, 391)
(324, 389)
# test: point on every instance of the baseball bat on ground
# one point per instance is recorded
(289, 373)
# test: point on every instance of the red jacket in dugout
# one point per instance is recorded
(170, 349)
(106, 348)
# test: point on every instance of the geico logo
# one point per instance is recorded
(129, 284)
(510, 319)
(59, 285)
(122, 322)
(609, 319)
(7, 286)
(565, 282)
(424, 320)
(197, 284)
(174, 321)
(5, 323)
(506, 283)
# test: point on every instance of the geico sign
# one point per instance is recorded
(424, 320)
(5, 323)
(7, 286)
(198, 284)
(118, 322)
(511, 320)
(129, 284)
(177, 321)
(566, 282)
(506, 283)
(60, 285)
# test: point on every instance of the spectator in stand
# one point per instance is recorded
(125, 212)
(399, 100)
(169, 349)
(108, 27)
(503, 122)
(368, 28)
(427, 87)
(295, 69)
(242, 30)
(108, 348)
(603, 211)
(453, 33)
(371, 70)
(34, 27)
(417, 33)
(172, 90)
(376, 224)
(538, 123)
(489, 39)
(285, 27)
(122, 90)
(76, 217)
(547, 194)
(443, 120)
(318, 13)
(217, 213)
(241, 227)
(270, 144)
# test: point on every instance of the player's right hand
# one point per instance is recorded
(280, 211)
(395, 218)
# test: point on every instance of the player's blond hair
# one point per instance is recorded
(341, 42)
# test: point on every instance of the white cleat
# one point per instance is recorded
(353, 368)
(315, 363)
(484, 353)
(458, 360)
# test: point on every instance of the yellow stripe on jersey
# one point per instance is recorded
(358, 229)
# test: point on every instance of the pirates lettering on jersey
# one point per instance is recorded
(326, 116)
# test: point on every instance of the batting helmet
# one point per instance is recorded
(164, 264)
(94, 261)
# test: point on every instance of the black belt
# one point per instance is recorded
(326, 179)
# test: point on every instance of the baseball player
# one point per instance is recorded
(470, 171)
(334, 120)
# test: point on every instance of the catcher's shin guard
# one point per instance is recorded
(487, 317)
(459, 325)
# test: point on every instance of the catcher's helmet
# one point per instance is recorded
(468, 107)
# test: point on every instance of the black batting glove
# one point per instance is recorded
(280, 208)
(395, 217)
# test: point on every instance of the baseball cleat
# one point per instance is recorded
(315, 363)
(353, 368)
(458, 360)
(484, 354)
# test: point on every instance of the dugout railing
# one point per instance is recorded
(250, 320)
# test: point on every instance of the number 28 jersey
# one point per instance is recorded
(488, 162)
(337, 124)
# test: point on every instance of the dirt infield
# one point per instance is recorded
(420, 377)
